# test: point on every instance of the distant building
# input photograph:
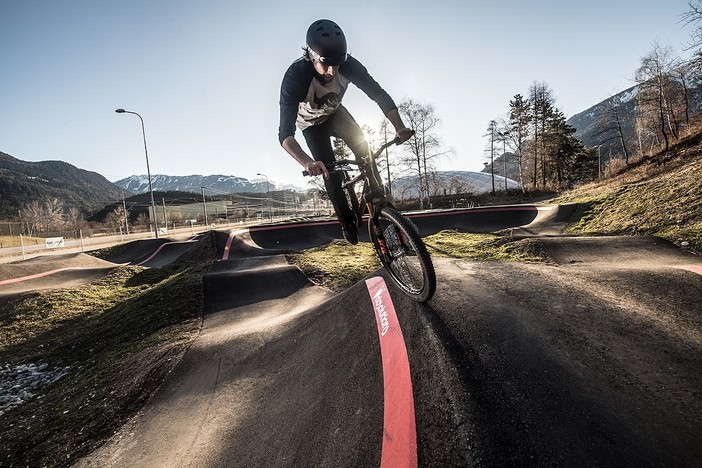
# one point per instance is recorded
(223, 209)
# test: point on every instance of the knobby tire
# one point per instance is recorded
(403, 254)
(352, 199)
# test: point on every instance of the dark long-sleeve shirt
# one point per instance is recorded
(306, 100)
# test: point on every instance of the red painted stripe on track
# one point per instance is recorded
(230, 239)
(399, 430)
(152, 255)
(31, 277)
(225, 255)
(693, 268)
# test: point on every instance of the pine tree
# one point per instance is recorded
(519, 118)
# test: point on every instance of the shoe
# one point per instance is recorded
(350, 232)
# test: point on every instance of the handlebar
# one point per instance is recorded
(387, 144)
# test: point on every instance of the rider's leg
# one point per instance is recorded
(345, 127)
(319, 143)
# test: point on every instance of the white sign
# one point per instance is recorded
(54, 242)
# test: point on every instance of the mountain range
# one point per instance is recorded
(194, 183)
(595, 126)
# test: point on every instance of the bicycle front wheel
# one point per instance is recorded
(403, 253)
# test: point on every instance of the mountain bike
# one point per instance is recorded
(395, 237)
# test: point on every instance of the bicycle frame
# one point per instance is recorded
(373, 192)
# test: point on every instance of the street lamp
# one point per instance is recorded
(268, 196)
(148, 171)
(204, 205)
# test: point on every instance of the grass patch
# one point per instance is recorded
(14, 241)
(117, 337)
(339, 265)
(456, 244)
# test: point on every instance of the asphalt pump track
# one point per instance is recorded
(571, 364)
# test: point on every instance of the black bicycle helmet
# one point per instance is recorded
(326, 42)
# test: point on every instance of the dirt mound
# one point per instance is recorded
(48, 263)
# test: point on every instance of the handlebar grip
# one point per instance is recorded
(397, 141)
(330, 167)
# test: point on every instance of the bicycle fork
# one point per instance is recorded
(379, 235)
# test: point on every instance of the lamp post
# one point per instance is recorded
(268, 196)
(148, 170)
(204, 206)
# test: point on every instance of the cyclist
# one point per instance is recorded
(310, 97)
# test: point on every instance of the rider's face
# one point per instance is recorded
(327, 71)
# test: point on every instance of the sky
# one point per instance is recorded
(205, 74)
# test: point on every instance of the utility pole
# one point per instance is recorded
(165, 218)
(126, 215)
(204, 205)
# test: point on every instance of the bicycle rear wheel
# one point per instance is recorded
(403, 253)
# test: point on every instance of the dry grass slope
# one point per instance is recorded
(659, 196)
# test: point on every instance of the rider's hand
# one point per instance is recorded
(315, 168)
(403, 135)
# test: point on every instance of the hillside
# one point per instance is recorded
(659, 195)
(22, 182)
(595, 126)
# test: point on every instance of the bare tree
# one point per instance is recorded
(655, 86)
(53, 213)
(386, 166)
(143, 220)
(74, 217)
(425, 145)
(492, 134)
(32, 213)
(114, 218)
(683, 73)
(610, 126)
(693, 17)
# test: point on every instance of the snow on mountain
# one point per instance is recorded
(194, 183)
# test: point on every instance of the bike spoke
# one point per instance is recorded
(401, 254)
(410, 272)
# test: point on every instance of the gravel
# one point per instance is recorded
(21, 383)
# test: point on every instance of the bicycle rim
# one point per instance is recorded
(403, 254)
